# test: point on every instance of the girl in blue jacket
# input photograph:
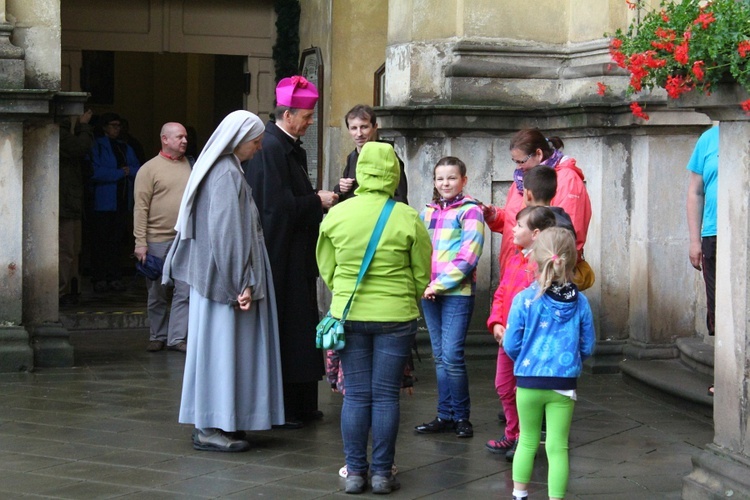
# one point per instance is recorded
(550, 333)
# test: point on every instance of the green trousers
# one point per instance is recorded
(533, 405)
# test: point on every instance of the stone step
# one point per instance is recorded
(697, 354)
(673, 381)
(106, 319)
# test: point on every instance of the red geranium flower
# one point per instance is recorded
(667, 35)
(614, 52)
(681, 53)
(677, 85)
(704, 19)
(638, 111)
(664, 17)
(746, 106)
(632, 5)
(666, 46)
(743, 48)
(601, 89)
(698, 70)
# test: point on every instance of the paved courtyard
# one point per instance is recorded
(108, 429)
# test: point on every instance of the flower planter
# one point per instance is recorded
(722, 104)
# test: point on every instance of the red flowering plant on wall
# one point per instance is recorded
(684, 45)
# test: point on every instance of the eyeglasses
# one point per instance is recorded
(113, 124)
(521, 162)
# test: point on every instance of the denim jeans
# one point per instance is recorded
(447, 319)
(373, 366)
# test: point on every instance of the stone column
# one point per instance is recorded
(15, 353)
(723, 468)
(31, 107)
(40, 222)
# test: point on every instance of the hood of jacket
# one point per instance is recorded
(561, 311)
(568, 162)
(378, 170)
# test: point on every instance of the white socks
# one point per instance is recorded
(519, 494)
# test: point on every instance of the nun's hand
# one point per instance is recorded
(245, 299)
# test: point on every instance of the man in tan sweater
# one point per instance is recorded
(158, 191)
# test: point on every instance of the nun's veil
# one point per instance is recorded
(238, 127)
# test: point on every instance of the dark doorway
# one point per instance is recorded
(229, 86)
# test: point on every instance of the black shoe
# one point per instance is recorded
(464, 429)
(289, 425)
(511, 453)
(437, 425)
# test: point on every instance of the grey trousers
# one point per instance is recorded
(170, 328)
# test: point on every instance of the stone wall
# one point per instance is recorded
(466, 97)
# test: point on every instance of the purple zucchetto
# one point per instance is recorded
(296, 92)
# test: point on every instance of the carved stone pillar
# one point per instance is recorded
(30, 97)
(50, 340)
(723, 468)
(15, 352)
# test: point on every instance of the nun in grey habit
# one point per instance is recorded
(232, 377)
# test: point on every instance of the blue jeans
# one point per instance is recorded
(447, 319)
(373, 366)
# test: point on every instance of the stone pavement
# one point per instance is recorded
(107, 428)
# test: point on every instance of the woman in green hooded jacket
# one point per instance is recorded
(382, 321)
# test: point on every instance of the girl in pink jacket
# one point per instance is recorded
(518, 274)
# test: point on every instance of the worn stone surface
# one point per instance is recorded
(37, 31)
(15, 352)
(11, 198)
(40, 222)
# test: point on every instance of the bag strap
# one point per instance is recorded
(374, 239)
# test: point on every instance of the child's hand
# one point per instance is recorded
(429, 293)
(498, 331)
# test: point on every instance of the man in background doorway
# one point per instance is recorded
(158, 192)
